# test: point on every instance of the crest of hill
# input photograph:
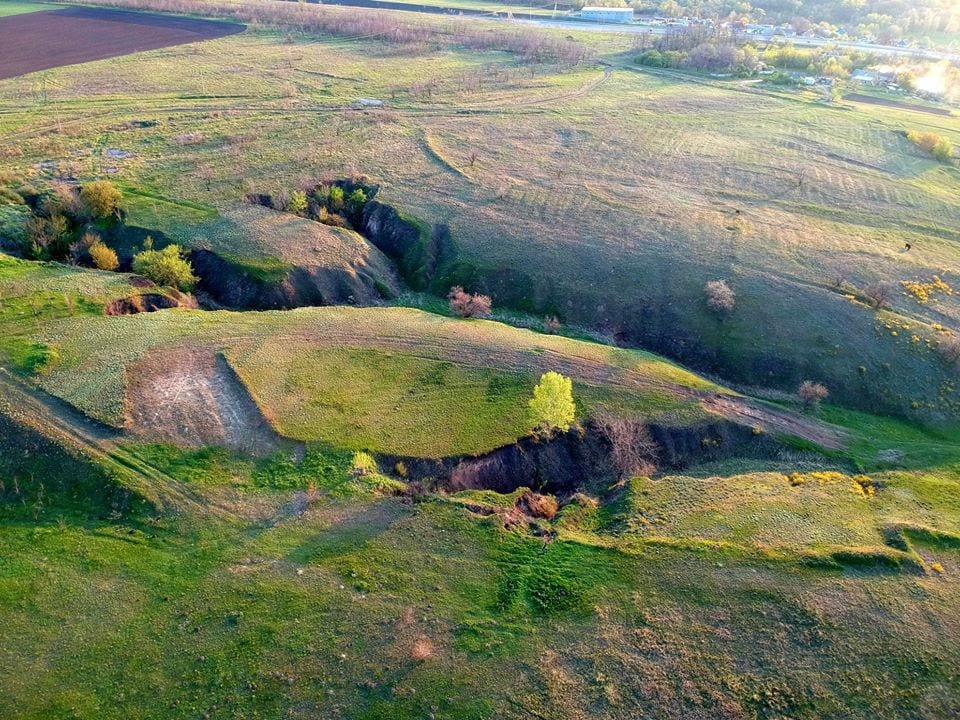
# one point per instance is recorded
(253, 256)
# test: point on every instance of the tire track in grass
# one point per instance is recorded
(55, 417)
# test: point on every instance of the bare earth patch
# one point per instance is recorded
(191, 397)
(772, 420)
(43, 40)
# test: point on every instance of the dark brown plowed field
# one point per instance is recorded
(42, 40)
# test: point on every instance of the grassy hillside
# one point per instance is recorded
(188, 526)
(337, 599)
(606, 198)
(390, 380)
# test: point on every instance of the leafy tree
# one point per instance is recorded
(100, 198)
(166, 267)
(356, 200)
(104, 258)
(297, 203)
(335, 198)
(907, 80)
(552, 406)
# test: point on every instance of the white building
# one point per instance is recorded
(609, 15)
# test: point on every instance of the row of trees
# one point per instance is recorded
(716, 49)
(529, 45)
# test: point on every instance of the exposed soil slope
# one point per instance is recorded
(191, 397)
(773, 420)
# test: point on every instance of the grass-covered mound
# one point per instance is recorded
(392, 380)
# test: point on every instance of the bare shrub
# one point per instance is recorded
(189, 138)
(280, 200)
(64, 200)
(633, 451)
(840, 276)
(720, 298)
(812, 393)
(467, 305)
(80, 250)
(949, 348)
(878, 294)
(205, 172)
(422, 650)
(535, 505)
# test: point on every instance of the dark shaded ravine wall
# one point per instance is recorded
(232, 287)
(579, 458)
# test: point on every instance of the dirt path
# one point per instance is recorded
(64, 423)
(191, 397)
(774, 420)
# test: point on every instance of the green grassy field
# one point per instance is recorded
(341, 600)
(13, 7)
(150, 569)
(626, 185)
(430, 386)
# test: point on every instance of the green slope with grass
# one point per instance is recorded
(392, 380)
(144, 579)
(319, 595)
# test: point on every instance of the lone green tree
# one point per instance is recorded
(100, 198)
(166, 267)
(297, 203)
(552, 406)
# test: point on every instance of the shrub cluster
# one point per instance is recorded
(720, 298)
(467, 305)
(936, 145)
(167, 267)
(59, 222)
(339, 204)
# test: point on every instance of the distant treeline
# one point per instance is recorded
(717, 49)
(886, 20)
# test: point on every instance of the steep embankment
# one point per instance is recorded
(254, 257)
